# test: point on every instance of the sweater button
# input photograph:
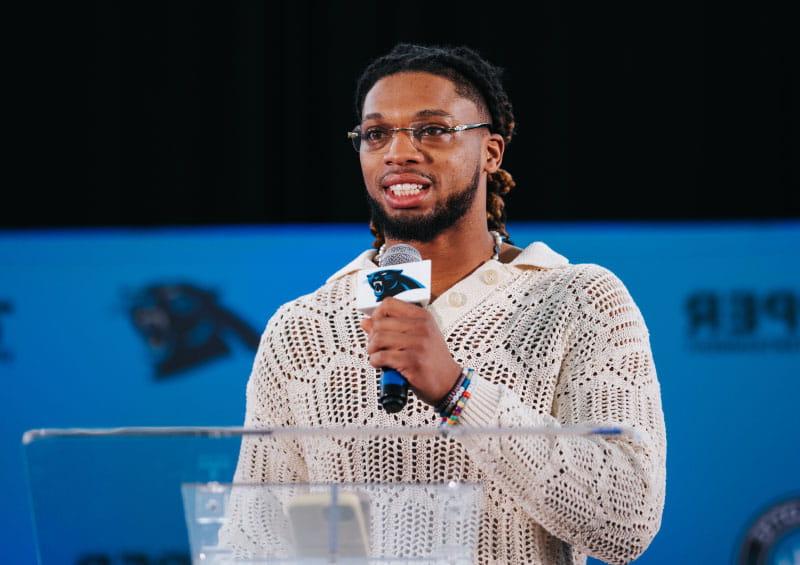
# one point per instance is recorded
(490, 276)
(456, 299)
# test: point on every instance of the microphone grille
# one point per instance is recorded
(400, 253)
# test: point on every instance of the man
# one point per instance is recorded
(546, 342)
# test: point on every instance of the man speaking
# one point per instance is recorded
(509, 337)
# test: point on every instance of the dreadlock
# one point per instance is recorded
(475, 79)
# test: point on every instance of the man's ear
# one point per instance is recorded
(495, 147)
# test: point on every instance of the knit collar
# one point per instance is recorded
(537, 254)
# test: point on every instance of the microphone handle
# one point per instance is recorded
(394, 390)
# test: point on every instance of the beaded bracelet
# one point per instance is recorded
(464, 396)
(445, 408)
(446, 404)
(459, 392)
(453, 419)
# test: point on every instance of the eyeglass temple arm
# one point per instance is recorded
(462, 127)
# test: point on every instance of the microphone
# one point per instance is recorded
(394, 386)
(408, 280)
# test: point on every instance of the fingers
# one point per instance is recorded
(397, 360)
(380, 340)
(392, 307)
(401, 325)
(397, 316)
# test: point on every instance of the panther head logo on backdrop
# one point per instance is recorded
(184, 326)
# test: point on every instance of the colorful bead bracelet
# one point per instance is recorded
(451, 418)
(447, 404)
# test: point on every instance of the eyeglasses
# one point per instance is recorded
(432, 136)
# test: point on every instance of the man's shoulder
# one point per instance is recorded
(539, 256)
(591, 272)
(581, 285)
(589, 281)
(595, 275)
(597, 290)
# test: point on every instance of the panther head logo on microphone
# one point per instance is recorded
(390, 282)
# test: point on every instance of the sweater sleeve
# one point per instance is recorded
(603, 495)
(255, 518)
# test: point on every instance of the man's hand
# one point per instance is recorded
(405, 337)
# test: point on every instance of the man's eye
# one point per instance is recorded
(375, 134)
(432, 131)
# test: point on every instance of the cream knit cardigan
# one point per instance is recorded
(552, 343)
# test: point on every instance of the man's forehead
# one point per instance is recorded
(416, 95)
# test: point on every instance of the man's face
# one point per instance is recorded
(451, 179)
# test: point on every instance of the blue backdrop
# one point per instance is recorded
(84, 341)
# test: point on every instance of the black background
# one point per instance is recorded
(190, 113)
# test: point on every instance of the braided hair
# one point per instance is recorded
(475, 79)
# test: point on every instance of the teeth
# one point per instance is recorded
(405, 189)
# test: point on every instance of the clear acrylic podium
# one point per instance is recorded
(167, 496)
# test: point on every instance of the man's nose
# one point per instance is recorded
(401, 149)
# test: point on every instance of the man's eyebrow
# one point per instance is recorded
(421, 114)
(428, 113)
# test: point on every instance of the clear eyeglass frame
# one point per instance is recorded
(426, 134)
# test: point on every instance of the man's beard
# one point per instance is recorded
(425, 228)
